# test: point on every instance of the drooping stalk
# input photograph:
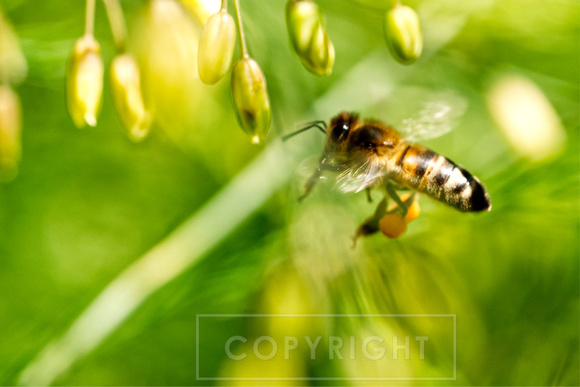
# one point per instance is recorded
(90, 17)
(243, 47)
(117, 22)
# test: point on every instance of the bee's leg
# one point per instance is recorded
(311, 182)
(369, 198)
(371, 224)
(393, 194)
(403, 205)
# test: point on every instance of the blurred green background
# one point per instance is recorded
(89, 204)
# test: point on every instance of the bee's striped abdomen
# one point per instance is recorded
(422, 169)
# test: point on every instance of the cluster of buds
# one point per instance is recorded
(248, 83)
(85, 69)
(85, 78)
(13, 69)
(308, 36)
(403, 33)
(312, 44)
(309, 40)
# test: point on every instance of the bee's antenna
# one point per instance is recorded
(320, 125)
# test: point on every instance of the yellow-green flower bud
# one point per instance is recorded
(10, 123)
(202, 9)
(251, 98)
(403, 33)
(216, 47)
(128, 98)
(166, 45)
(85, 81)
(13, 66)
(308, 36)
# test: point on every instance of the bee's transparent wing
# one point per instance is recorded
(357, 174)
(439, 115)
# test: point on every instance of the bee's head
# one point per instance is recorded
(346, 133)
(339, 129)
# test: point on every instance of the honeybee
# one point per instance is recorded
(367, 154)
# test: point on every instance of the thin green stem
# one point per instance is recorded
(117, 22)
(90, 18)
(224, 5)
(243, 47)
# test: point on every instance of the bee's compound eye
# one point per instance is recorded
(340, 130)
